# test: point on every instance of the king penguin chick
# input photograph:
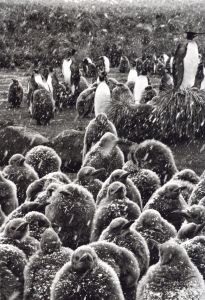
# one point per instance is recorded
(105, 154)
(186, 188)
(88, 177)
(194, 213)
(156, 156)
(124, 66)
(181, 279)
(198, 192)
(187, 178)
(121, 233)
(195, 248)
(102, 100)
(166, 200)
(38, 223)
(21, 174)
(95, 130)
(22, 210)
(16, 233)
(72, 209)
(15, 95)
(86, 277)
(43, 266)
(166, 83)
(154, 228)
(41, 184)
(116, 204)
(43, 159)
(189, 231)
(8, 195)
(12, 264)
(145, 180)
(123, 262)
(187, 175)
(121, 176)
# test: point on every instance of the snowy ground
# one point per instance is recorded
(186, 155)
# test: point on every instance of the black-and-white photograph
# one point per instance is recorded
(102, 150)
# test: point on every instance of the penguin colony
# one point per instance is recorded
(126, 228)
(123, 229)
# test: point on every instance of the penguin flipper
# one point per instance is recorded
(178, 65)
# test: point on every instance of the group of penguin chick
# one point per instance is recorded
(129, 230)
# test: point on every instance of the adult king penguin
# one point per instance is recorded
(71, 72)
(186, 61)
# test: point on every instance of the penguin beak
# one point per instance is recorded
(65, 193)
(22, 226)
(118, 190)
(127, 225)
(124, 177)
(183, 213)
(99, 172)
(200, 227)
(124, 142)
(22, 160)
(86, 257)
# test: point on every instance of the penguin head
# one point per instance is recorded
(101, 118)
(73, 52)
(171, 253)
(16, 229)
(117, 190)
(187, 175)
(171, 190)
(17, 160)
(191, 35)
(194, 213)
(45, 73)
(119, 175)
(50, 242)
(84, 259)
(38, 223)
(88, 174)
(190, 230)
(52, 187)
(120, 226)
(15, 83)
(150, 219)
(108, 141)
(102, 75)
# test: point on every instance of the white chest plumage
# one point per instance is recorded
(191, 61)
(67, 71)
(102, 99)
(140, 84)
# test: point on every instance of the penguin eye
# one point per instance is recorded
(77, 257)
(13, 228)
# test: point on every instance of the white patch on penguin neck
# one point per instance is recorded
(132, 76)
(140, 84)
(191, 62)
(89, 60)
